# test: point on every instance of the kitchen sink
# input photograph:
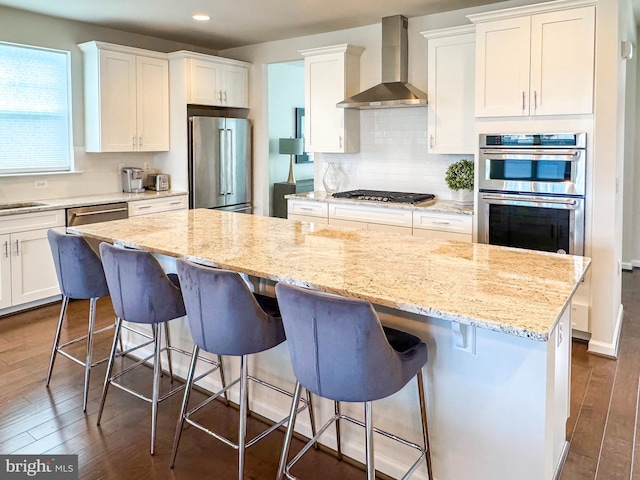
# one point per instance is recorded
(9, 206)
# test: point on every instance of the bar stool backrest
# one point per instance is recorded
(223, 314)
(338, 347)
(140, 290)
(79, 269)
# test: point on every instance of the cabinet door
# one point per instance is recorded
(451, 119)
(562, 62)
(117, 102)
(235, 86)
(336, 222)
(145, 207)
(324, 88)
(502, 67)
(5, 271)
(204, 85)
(33, 275)
(152, 104)
(308, 218)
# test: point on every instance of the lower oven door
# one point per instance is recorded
(551, 224)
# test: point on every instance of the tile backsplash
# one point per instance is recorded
(97, 173)
(393, 155)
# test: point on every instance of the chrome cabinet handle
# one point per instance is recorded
(175, 203)
(144, 207)
(306, 209)
(220, 95)
(225, 96)
(535, 100)
(523, 100)
(340, 141)
(17, 248)
(140, 141)
(133, 140)
(435, 222)
(6, 249)
(430, 141)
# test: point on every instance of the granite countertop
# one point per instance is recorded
(84, 200)
(437, 205)
(513, 291)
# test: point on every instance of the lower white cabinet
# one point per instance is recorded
(418, 222)
(157, 205)
(445, 226)
(27, 273)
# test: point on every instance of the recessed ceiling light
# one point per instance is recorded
(201, 17)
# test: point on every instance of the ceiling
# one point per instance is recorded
(234, 23)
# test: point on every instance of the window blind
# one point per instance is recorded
(35, 110)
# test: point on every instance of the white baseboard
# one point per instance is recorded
(609, 349)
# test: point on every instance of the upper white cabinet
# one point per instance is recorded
(535, 60)
(450, 90)
(126, 98)
(215, 81)
(331, 74)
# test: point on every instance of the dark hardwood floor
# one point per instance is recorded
(34, 419)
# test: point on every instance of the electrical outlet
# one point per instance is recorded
(346, 167)
(147, 165)
(41, 183)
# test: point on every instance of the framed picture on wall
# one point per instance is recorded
(304, 158)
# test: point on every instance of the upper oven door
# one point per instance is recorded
(533, 170)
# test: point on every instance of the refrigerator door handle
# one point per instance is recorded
(231, 161)
(222, 166)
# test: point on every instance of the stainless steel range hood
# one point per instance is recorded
(394, 91)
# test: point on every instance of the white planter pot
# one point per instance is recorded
(462, 197)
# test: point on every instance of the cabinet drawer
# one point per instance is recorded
(312, 209)
(309, 219)
(23, 222)
(144, 207)
(437, 234)
(443, 222)
(380, 215)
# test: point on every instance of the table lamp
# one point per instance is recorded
(291, 147)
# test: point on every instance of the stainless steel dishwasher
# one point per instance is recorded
(94, 214)
(97, 213)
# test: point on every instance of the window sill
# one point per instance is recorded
(38, 174)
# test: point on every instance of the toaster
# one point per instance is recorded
(158, 181)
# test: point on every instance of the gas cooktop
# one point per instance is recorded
(384, 196)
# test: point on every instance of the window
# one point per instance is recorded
(35, 110)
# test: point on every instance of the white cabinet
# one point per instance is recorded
(535, 60)
(372, 218)
(27, 273)
(446, 226)
(217, 81)
(450, 90)
(306, 211)
(126, 99)
(157, 205)
(331, 74)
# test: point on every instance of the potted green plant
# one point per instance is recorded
(459, 179)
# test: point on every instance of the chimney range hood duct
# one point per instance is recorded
(394, 91)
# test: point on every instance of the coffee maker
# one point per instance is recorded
(132, 180)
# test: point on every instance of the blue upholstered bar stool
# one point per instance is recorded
(340, 351)
(81, 277)
(226, 318)
(141, 292)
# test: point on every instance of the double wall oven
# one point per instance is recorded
(531, 191)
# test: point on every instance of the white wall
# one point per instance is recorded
(285, 93)
(99, 171)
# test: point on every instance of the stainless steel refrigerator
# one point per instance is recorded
(220, 163)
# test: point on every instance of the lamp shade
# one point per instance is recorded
(291, 146)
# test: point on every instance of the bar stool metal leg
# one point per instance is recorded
(312, 419)
(242, 430)
(56, 342)
(338, 443)
(368, 423)
(425, 428)
(89, 361)
(185, 402)
(224, 382)
(112, 357)
(156, 385)
(287, 439)
(168, 343)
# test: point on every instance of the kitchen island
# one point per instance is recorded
(495, 320)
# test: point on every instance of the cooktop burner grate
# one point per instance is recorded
(384, 196)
